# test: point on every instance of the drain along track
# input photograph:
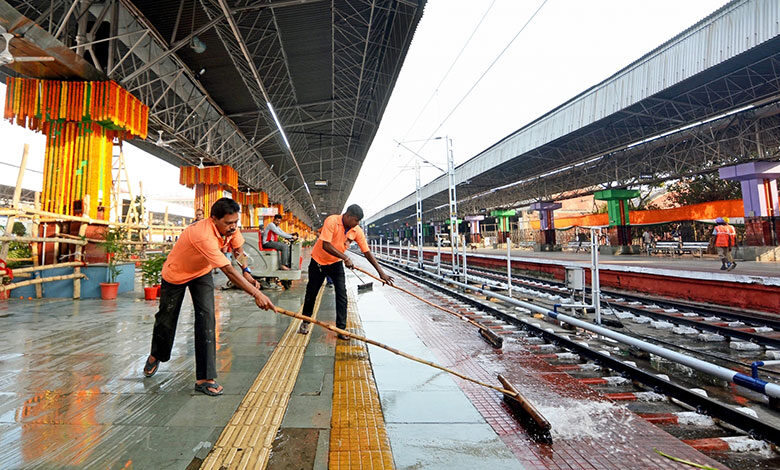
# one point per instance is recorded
(725, 413)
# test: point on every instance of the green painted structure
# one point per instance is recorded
(617, 207)
(502, 217)
(617, 204)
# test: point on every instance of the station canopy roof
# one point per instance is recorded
(208, 69)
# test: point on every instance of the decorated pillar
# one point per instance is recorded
(759, 198)
(503, 223)
(617, 207)
(211, 183)
(249, 202)
(81, 121)
(547, 220)
(474, 232)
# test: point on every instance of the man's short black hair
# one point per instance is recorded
(277, 216)
(355, 211)
(223, 207)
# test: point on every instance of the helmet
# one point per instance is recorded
(720, 220)
(726, 219)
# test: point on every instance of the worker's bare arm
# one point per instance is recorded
(370, 257)
(328, 247)
(261, 299)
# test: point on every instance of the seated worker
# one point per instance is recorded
(270, 239)
(338, 233)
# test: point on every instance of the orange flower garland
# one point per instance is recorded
(81, 120)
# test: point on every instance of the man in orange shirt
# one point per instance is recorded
(328, 260)
(189, 264)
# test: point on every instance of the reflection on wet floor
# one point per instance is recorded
(72, 393)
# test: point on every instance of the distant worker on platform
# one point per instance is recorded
(328, 260)
(189, 265)
(199, 214)
(271, 236)
(725, 239)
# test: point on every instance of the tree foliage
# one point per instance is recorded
(704, 188)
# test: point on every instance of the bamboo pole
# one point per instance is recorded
(445, 309)
(34, 247)
(31, 269)
(391, 349)
(54, 217)
(80, 250)
(119, 242)
(39, 281)
(56, 250)
(9, 226)
(61, 239)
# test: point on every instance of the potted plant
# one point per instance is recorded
(112, 247)
(150, 273)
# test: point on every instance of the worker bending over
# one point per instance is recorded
(189, 264)
(328, 260)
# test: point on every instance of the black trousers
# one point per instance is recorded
(171, 297)
(317, 274)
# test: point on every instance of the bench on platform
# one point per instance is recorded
(675, 248)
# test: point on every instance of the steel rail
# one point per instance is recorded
(721, 330)
(752, 426)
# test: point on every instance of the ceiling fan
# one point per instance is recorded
(7, 58)
(163, 143)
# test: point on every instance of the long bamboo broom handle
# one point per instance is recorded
(453, 312)
(391, 349)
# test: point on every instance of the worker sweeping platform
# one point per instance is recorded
(328, 259)
(189, 264)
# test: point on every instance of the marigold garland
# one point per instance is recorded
(220, 175)
(81, 120)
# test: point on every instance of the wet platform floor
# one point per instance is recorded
(73, 395)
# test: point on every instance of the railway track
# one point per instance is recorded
(671, 398)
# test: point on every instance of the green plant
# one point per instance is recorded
(113, 247)
(151, 270)
(19, 250)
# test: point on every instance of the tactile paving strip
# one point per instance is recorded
(246, 440)
(358, 438)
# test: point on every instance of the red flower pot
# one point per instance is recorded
(108, 290)
(150, 293)
(159, 288)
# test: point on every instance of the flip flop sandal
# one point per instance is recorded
(151, 367)
(204, 388)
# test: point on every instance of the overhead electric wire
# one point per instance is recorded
(452, 111)
(430, 98)
(447, 73)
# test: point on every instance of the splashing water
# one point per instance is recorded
(577, 419)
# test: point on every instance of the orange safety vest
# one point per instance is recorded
(722, 235)
(732, 234)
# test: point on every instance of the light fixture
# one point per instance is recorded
(200, 165)
(278, 123)
(320, 182)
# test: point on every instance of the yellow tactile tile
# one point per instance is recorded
(358, 438)
(246, 441)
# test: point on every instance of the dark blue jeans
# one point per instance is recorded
(317, 274)
(171, 297)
